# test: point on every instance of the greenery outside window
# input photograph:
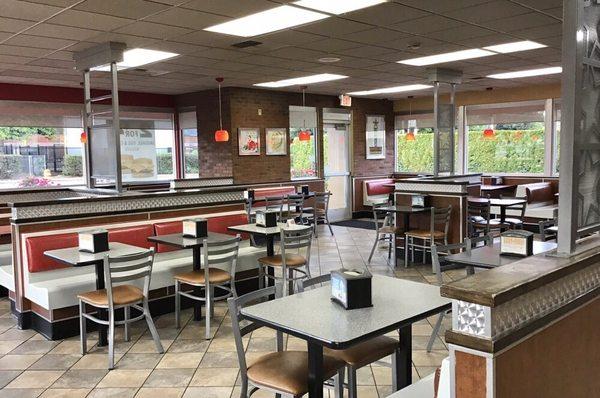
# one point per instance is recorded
(303, 142)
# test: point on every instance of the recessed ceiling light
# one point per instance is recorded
(138, 57)
(527, 73)
(447, 57)
(329, 60)
(277, 18)
(323, 77)
(397, 89)
(338, 6)
(514, 47)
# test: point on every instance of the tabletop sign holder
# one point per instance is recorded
(249, 194)
(266, 219)
(419, 200)
(95, 241)
(195, 228)
(516, 243)
(351, 288)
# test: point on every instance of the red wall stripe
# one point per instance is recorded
(28, 92)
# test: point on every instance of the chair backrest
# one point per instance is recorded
(275, 203)
(441, 216)
(473, 242)
(522, 207)
(221, 252)
(322, 200)
(296, 239)
(239, 331)
(317, 280)
(480, 209)
(121, 269)
(436, 250)
(379, 215)
(296, 201)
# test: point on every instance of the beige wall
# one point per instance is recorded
(524, 93)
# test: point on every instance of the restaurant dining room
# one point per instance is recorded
(299, 198)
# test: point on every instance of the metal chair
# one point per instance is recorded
(439, 217)
(222, 253)
(549, 228)
(480, 221)
(441, 266)
(518, 221)
(319, 213)
(386, 232)
(362, 354)
(276, 204)
(295, 207)
(118, 270)
(281, 372)
(291, 260)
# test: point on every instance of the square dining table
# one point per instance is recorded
(180, 241)
(75, 258)
(312, 316)
(489, 256)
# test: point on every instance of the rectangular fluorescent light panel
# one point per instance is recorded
(397, 89)
(447, 57)
(515, 47)
(138, 57)
(323, 77)
(338, 6)
(277, 18)
(527, 73)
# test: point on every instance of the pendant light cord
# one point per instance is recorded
(220, 115)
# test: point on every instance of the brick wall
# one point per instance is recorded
(240, 109)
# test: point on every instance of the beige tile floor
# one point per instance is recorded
(31, 366)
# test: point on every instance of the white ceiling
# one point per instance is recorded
(38, 39)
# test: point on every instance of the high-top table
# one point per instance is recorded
(183, 242)
(75, 258)
(312, 316)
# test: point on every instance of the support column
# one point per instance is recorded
(579, 204)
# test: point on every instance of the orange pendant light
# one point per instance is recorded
(489, 134)
(305, 134)
(221, 135)
(410, 136)
(83, 137)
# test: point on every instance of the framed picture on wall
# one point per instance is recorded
(276, 141)
(249, 141)
(375, 138)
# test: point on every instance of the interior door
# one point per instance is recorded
(336, 138)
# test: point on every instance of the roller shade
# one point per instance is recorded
(138, 119)
(303, 116)
(420, 121)
(40, 114)
(509, 113)
(187, 120)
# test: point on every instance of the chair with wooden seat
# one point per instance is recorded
(120, 294)
(385, 231)
(224, 254)
(281, 372)
(440, 265)
(440, 217)
(319, 213)
(480, 221)
(294, 260)
(516, 222)
(362, 354)
(295, 207)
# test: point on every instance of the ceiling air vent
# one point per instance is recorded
(246, 44)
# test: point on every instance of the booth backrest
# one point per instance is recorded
(37, 245)
(377, 187)
(135, 235)
(541, 192)
(262, 193)
(167, 228)
(221, 223)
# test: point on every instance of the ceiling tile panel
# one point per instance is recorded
(27, 11)
(520, 22)
(39, 42)
(386, 14)
(335, 27)
(488, 11)
(62, 32)
(14, 25)
(187, 18)
(134, 9)
(231, 8)
(83, 19)
(154, 30)
(427, 24)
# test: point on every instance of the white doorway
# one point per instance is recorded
(336, 151)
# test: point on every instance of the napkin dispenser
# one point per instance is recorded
(516, 243)
(303, 189)
(195, 228)
(419, 201)
(351, 288)
(266, 219)
(249, 194)
(94, 241)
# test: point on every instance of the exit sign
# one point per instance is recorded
(345, 100)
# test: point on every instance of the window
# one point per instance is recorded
(189, 142)
(303, 146)
(40, 145)
(414, 143)
(506, 138)
(556, 149)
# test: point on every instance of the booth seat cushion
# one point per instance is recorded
(545, 212)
